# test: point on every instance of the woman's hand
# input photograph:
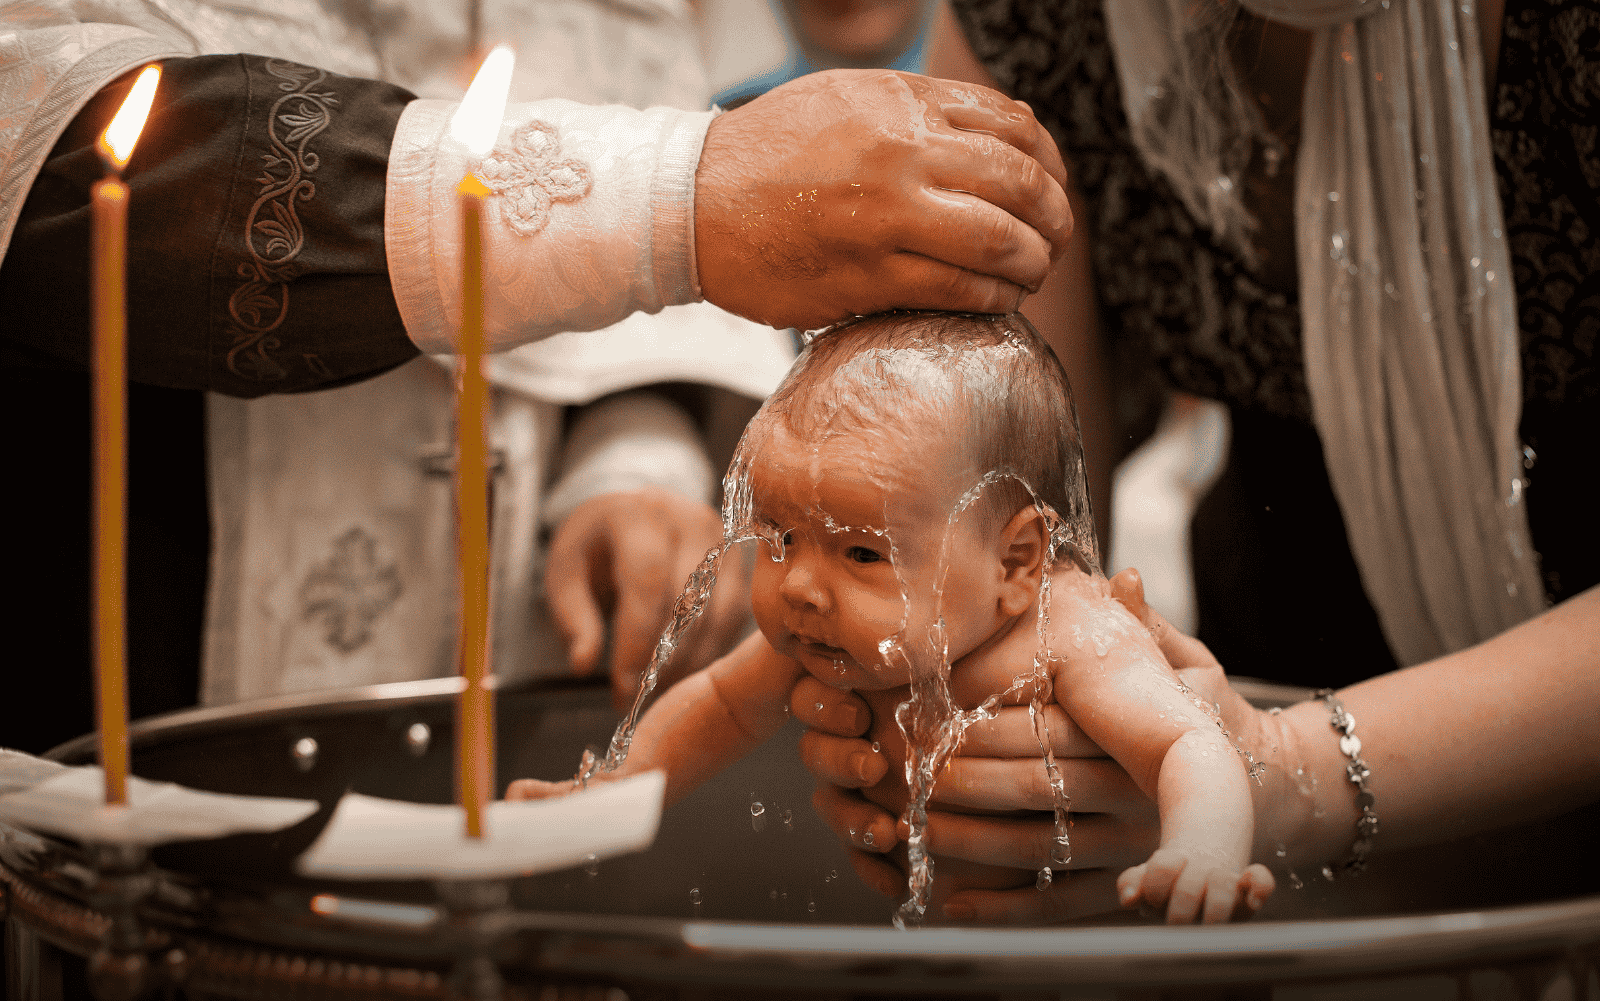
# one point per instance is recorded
(1114, 824)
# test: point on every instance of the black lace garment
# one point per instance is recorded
(1278, 591)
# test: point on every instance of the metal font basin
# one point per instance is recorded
(727, 904)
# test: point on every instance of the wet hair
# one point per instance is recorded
(991, 383)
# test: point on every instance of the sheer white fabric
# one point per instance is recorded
(1409, 312)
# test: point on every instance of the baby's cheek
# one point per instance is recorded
(764, 598)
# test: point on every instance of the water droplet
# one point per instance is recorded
(1043, 880)
(1333, 196)
(1488, 276)
(877, 748)
(694, 896)
(1061, 850)
(1295, 882)
(758, 814)
(819, 707)
(787, 816)
(811, 907)
(866, 838)
(591, 865)
(833, 874)
(1282, 850)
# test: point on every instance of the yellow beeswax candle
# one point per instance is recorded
(108, 269)
(475, 126)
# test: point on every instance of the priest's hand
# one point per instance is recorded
(853, 191)
(621, 559)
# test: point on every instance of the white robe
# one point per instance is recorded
(333, 532)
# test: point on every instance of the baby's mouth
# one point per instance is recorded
(821, 649)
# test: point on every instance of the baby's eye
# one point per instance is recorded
(861, 554)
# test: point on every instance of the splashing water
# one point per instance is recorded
(1253, 768)
(1060, 802)
(932, 723)
(688, 608)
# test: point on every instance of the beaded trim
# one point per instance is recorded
(1343, 723)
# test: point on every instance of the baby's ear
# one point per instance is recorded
(1022, 554)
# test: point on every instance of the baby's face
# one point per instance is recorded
(851, 538)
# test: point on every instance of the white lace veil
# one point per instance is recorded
(1411, 341)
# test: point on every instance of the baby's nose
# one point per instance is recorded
(801, 587)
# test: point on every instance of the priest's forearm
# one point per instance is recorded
(256, 246)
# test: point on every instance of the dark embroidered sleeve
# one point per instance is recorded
(256, 260)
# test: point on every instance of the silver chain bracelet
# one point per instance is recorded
(1356, 770)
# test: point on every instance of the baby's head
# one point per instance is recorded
(889, 478)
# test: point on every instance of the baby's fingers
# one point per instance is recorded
(1222, 897)
(1154, 882)
(537, 789)
(1190, 892)
(1256, 884)
(1130, 885)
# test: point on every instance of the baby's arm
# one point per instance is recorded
(704, 723)
(1110, 677)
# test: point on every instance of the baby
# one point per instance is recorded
(912, 484)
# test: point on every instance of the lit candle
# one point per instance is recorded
(476, 125)
(109, 364)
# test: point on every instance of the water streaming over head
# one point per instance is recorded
(934, 726)
(971, 413)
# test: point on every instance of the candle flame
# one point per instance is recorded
(477, 122)
(117, 143)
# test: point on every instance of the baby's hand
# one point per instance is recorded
(538, 789)
(1192, 886)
